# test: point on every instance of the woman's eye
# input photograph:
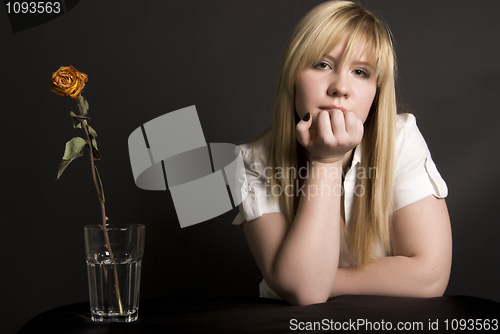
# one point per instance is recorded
(322, 65)
(362, 73)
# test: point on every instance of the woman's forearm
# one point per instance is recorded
(393, 276)
(306, 265)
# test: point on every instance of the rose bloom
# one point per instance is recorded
(68, 81)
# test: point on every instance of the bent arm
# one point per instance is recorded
(299, 261)
(421, 261)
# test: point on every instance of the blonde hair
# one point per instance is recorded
(315, 36)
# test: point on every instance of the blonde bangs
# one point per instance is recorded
(320, 33)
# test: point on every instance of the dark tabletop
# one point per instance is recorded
(260, 315)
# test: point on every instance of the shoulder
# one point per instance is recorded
(409, 140)
(255, 191)
(405, 123)
(255, 155)
(416, 176)
(254, 149)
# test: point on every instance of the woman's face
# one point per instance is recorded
(345, 84)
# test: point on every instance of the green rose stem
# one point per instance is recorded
(100, 195)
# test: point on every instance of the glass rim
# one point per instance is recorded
(118, 227)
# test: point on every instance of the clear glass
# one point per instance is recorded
(114, 272)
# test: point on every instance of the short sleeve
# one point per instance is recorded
(416, 175)
(258, 199)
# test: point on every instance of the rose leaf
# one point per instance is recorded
(77, 120)
(92, 131)
(95, 150)
(83, 104)
(72, 151)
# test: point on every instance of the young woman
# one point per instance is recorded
(342, 196)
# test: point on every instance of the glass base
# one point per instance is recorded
(114, 317)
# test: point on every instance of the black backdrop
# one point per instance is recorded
(147, 58)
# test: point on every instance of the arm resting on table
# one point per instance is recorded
(422, 249)
(299, 261)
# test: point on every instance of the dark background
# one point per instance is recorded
(147, 58)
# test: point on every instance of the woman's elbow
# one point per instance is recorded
(296, 289)
(304, 295)
(308, 299)
(438, 287)
(435, 284)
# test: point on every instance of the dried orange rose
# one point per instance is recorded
(68, 81)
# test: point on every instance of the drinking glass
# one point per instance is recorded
(114, 258)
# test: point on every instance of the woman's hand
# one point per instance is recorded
(336, 134)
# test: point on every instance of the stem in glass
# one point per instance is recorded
(103, 208)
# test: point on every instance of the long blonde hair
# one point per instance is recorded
(315, 36)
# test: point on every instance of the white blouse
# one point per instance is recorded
(415, 178)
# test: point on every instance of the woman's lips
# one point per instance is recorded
(330, 107)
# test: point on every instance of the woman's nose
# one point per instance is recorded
(339, 85)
